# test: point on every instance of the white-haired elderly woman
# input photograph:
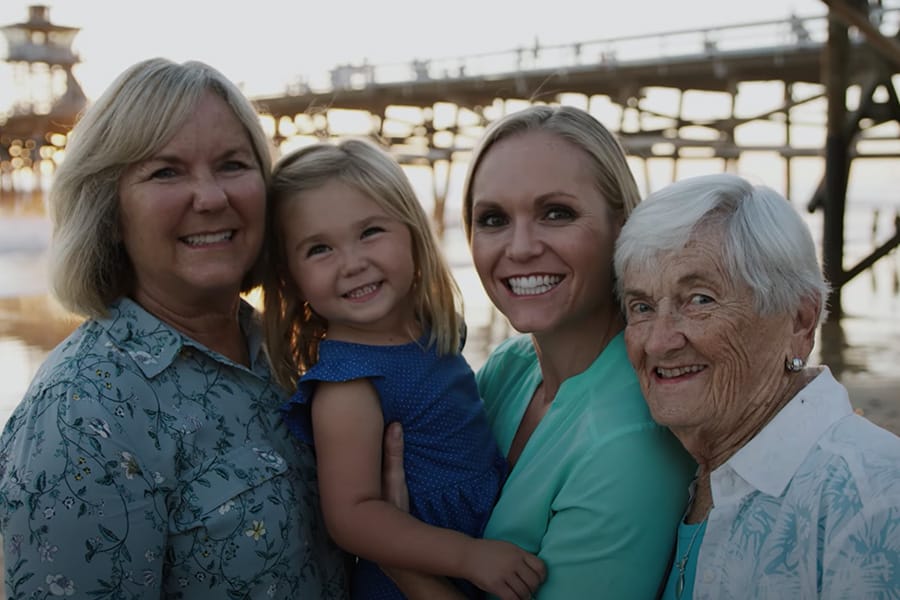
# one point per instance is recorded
(147, 459)
(795, 495)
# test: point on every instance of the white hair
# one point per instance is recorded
(766, 244)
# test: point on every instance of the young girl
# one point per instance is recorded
(361, 304)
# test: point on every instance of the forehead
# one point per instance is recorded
(534, 161)
(700, 261)
(332, 202)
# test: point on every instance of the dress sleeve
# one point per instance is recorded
(614, 532)
(81, 513)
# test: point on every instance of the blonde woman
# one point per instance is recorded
(147, 459)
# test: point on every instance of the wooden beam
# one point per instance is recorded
(887, 47)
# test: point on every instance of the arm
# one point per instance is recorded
(348, 427)
(854, 559)
(414, 585)
(79, 516)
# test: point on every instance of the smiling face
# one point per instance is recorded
(543, 235)
(704, 357)
(192, 215)
(352, 262)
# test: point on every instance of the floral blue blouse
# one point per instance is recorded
(141, 464)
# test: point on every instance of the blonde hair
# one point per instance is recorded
(135, 117)
(609, 166)
(293, 330)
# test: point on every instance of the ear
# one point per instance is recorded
(805, 321)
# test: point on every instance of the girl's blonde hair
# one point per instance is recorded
(293, 330)
(136, 116)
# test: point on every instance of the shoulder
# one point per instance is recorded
(513, 355)
(857, 454)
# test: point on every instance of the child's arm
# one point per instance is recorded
(348, 426)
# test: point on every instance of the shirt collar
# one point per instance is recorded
(769, 461)
(154, 345)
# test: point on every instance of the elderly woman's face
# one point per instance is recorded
(192, 215)
(703, 356)
(542, 234)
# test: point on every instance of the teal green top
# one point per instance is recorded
(680, 583)
(599, 489)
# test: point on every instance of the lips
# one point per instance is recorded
(672, 373)
(362, 291)
(203, 239)
(532, 285)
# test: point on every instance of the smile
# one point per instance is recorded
(532, 284)
(677, 371)
(363, 291)
(202, 239)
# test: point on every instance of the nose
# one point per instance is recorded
(209, 194)
(665, 334)
(523, 243)
(354, 261)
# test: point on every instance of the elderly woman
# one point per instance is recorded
(795, 496)
(147, 458)
(596, 487)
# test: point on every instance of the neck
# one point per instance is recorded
(214, 326)
(565, 353)
(713, 446)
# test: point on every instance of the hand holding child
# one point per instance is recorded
(503, 569)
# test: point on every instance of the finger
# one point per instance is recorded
(517, 588)
(393, 477)
(537, 565)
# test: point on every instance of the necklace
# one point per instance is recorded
(681, 565)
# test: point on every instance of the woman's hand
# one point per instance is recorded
(393, 477)
(500, 568)
(503, 569)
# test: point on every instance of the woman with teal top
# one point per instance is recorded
(596, 487)
(363, 316)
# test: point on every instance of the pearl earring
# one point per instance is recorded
(794, 365)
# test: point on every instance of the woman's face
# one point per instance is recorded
(542, 234)
(704, 357)
(193, 214)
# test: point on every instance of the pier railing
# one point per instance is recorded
(660, 48)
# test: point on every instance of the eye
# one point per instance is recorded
(491, 220)
(638, 308)
(316, 249)
(370, 231)
(236, 165)
(559, 213)
(164, 173)
(701, 299)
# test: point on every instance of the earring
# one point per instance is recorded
(794, 365)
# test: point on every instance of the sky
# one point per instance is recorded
(264, 44)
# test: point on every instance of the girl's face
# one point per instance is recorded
(543, 235)
(352, 262)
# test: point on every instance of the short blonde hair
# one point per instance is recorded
(293, 331)
(609, 167)
(135, 117)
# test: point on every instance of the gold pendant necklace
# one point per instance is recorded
(682, 563)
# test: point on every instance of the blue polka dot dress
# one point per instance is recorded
(454, 468)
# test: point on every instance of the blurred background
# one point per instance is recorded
(691, 87)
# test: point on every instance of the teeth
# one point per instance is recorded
(362, 291)
(678, 371)
(207, 238)
(533, 284)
